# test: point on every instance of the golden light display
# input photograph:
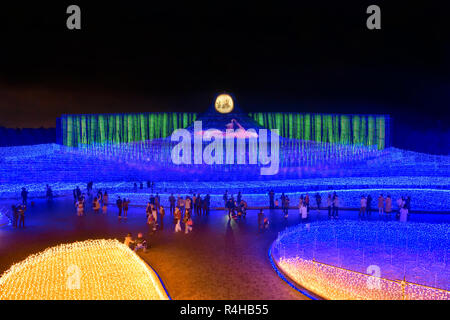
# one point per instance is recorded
(224, 103)
(336, 283)
(89, 270)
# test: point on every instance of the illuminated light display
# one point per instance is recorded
(332, 259)
(224, 103)
(329, 128)
(88, 270)
(358, 130)
(120, 128)
(293, 153)
(64, 168)
(335, 283)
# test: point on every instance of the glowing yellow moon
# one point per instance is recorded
(224, 103)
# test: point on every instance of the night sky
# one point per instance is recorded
(145, 56)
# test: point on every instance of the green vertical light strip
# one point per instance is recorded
(260, 119)
(336, 129)
(63, 132)
(133, 127)
(118, 130)
(345, 130)
(77, 132)
(129, 126)
(362, 135)
(185, 120)
(307, 120)
(165, 125)
(175, 121)
(270, 120)
(123, 129)
(159, 124)
(110, 128)
(155, 125)
(329, 128)
(297, 127)
(279, 122)
(291, 126)
(137, 127)
(301, 127)
(380, 132)
(370, 131)
(92, 129)
(356, 124)
(318, 127)
(83, 130)
(143, 126)
(324, 137)
(152, 126)
(101, 127)
(69, 131)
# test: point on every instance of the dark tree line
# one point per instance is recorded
(421, 135)
(21, 137)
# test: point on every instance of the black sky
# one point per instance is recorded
(148, 56)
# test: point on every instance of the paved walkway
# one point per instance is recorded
(218, 260)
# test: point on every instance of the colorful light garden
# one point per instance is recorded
(318, 154)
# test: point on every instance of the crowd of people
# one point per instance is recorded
(236, 209)
(304, 204)
(385, 206)
(182, 209)
(99, 201)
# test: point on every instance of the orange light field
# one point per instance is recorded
(335, 283)
(89, 270)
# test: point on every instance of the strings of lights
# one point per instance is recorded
(334, 283)
(292, 152)
(88, 270)
(119, 128)
(57, 164)
(335, 259)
